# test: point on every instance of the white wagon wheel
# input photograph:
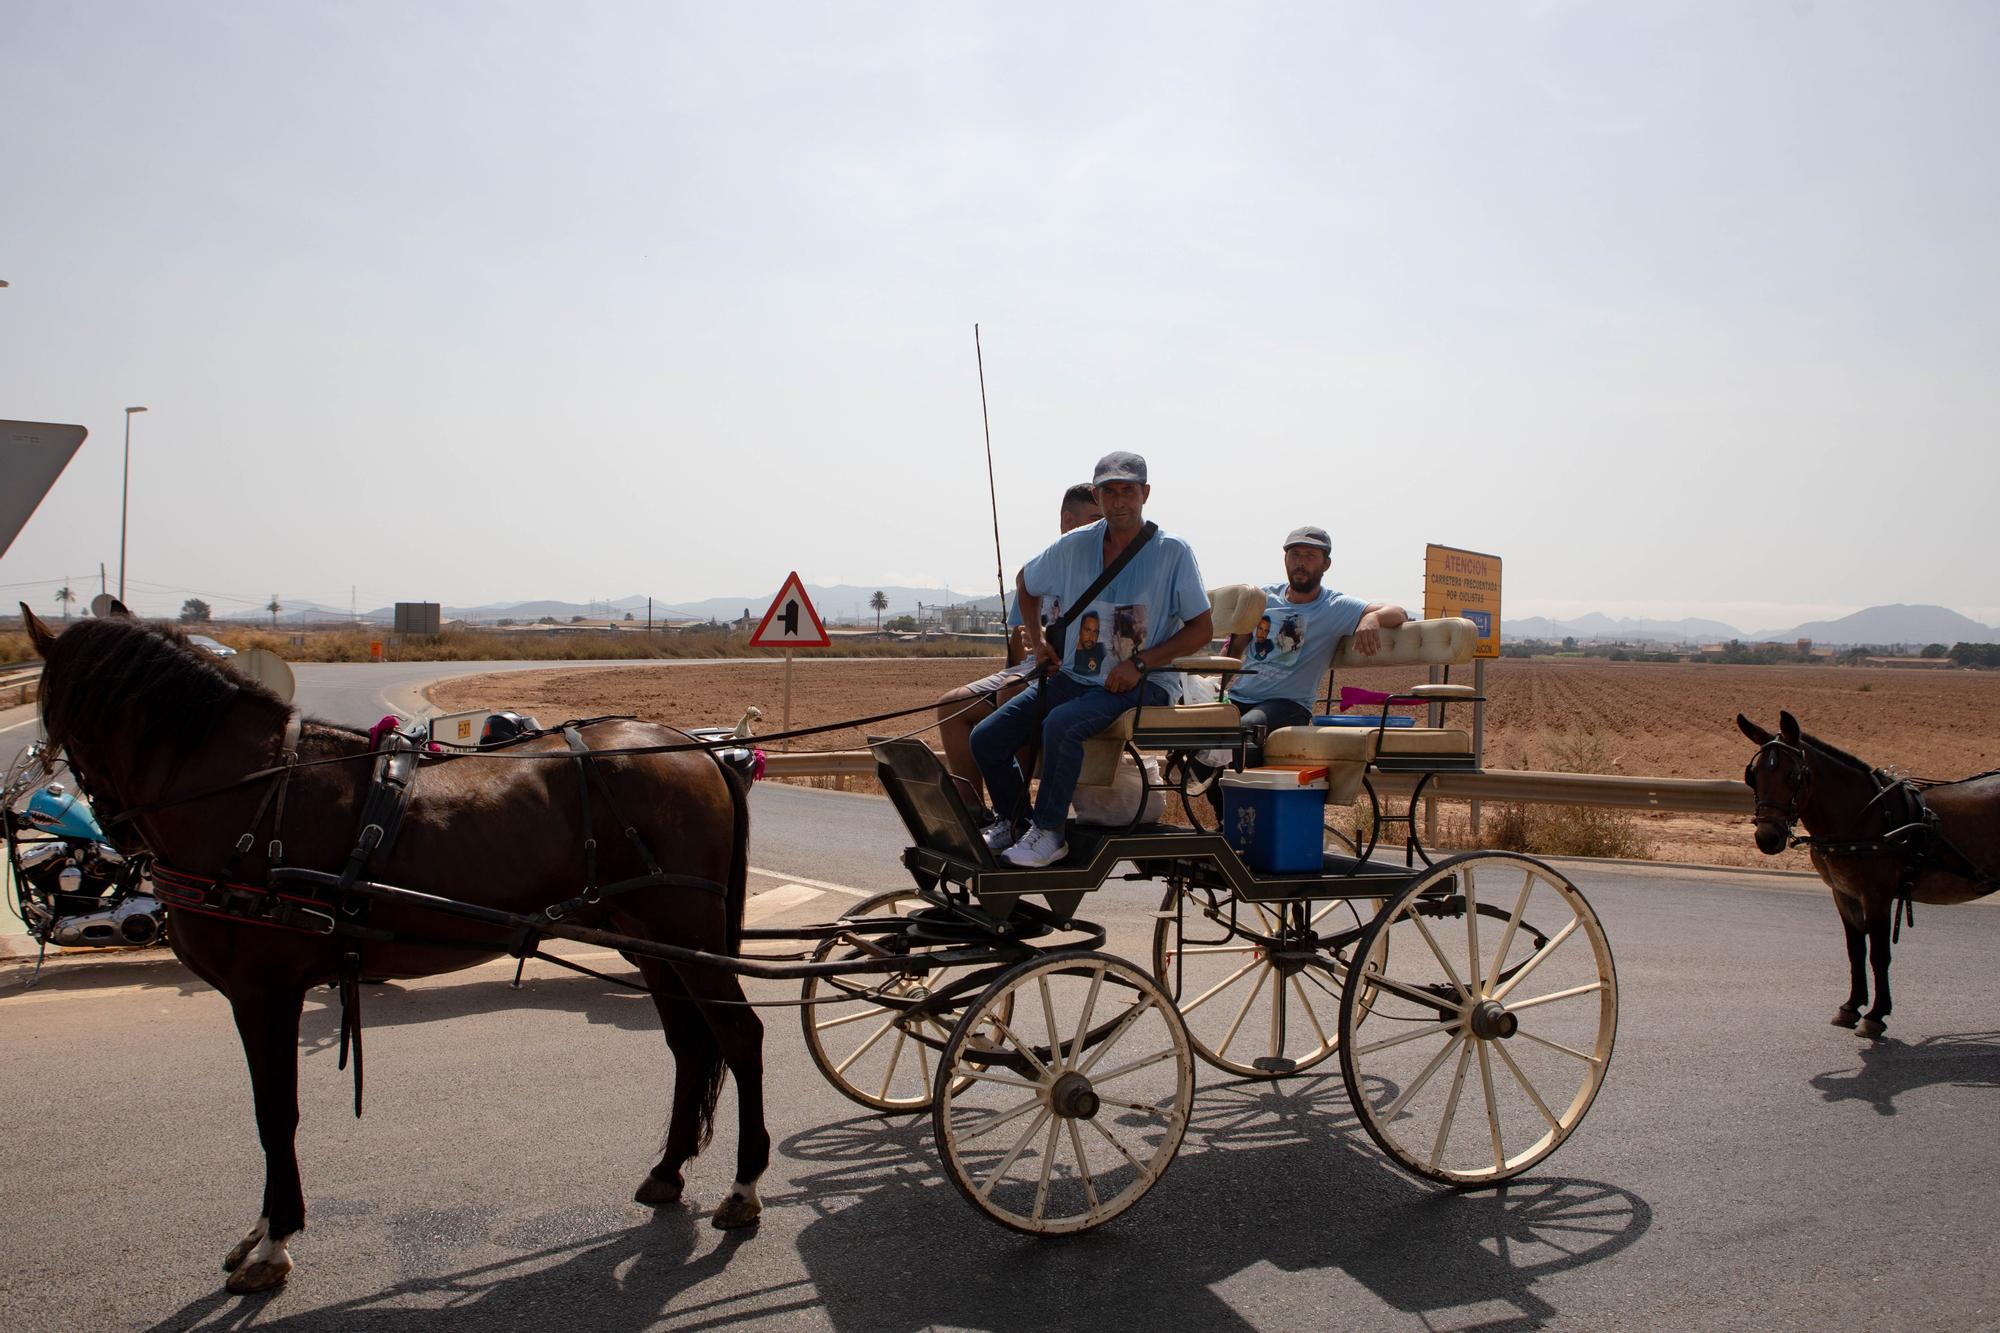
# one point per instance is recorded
(878, 1054)
(1075, 1104)
(1478, 1026)
(1252, 1010)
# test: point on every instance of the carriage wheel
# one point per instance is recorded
(1251, 1010)
(1063, 1093)
(876, 1053)
(1478, 1026)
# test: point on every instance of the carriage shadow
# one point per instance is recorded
(1890, 1068)
(1273, 1179)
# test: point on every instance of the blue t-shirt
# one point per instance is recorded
(1148, 603)
(1293, 644)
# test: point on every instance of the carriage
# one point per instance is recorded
(1469, 999)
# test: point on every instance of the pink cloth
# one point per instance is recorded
(389, 724)
(756, 765)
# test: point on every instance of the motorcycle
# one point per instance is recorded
(70, 886)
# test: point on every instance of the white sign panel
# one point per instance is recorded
(32, 455)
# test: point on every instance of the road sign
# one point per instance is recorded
(32, 455)
(791, 622)
(1464, 583)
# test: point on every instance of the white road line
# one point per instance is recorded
(777, 900)
(849, 890)
(16, 726)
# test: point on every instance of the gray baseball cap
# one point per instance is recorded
(1310, 536)
(1119, 466)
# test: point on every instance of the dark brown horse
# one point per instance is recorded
(151, 724)
(1879, 842)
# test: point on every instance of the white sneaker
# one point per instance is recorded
(1042, 847)
(998, 836)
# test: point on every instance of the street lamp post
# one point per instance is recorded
(125, 499)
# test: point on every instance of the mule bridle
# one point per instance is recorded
(1798, 780)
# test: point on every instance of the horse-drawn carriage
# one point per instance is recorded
(1470, 999)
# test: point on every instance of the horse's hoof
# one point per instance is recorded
(1871, 1027)
(263, 1275)
(1845, 1018)
(736, 1211)
(234, 1259)
(656, 1191)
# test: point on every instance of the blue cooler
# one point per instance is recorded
(1274, 821)
(1361, 720)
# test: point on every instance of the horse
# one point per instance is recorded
(161, 737)
(1881, 842)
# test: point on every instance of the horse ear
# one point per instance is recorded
(38, 634)
(1788, 727)
(1752, 730)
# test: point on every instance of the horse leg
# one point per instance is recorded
(1878, 961)
(267, 1022)
(1857, 969)
(739, 1033)
(698, 1071)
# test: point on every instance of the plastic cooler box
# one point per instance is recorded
(1274, 820)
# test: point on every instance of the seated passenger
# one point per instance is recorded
(956, 716)
(1154, 611)
(1302, 625)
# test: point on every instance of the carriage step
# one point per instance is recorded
(1274, 1064)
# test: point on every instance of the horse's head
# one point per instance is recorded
(1778, 776)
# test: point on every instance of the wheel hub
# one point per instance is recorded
(1072, 1097)
(1490, 1021)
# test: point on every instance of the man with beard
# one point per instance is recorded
(1277, 690)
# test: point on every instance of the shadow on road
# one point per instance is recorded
(1273, 1180)
(1890, 1068)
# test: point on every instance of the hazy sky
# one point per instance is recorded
(1681, 309)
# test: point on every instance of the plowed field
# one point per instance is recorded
(1663, 720)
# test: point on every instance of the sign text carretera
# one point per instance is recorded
(1464, 583)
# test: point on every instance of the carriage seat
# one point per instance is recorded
(1347, 751)
(1235, 609)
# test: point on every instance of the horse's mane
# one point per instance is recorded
(1837, 754)
(147, 683)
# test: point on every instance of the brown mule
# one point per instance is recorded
(1878, 841)
(148, 722)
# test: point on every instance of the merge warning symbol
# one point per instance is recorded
(791, 622)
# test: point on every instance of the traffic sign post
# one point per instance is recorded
(791, 622)
(1465, 583)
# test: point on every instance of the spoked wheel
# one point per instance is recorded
(1074, 1106)
(1477, 1028)
(1257, 984)
(877, 1051)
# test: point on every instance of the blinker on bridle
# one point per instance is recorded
(1798, 779)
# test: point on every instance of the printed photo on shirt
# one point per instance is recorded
(1261, 646)
(1087, 658)
(1128, 631)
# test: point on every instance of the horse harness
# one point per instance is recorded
(1915, 831)
(338, 906)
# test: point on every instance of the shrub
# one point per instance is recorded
(1569, 830)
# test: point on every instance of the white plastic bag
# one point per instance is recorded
(1112, 806)
(1203, 690)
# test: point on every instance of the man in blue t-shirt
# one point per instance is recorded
(1154, 611)
(1293, 644)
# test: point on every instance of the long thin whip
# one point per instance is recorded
(999, 567)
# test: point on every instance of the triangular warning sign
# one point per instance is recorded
(791, 622)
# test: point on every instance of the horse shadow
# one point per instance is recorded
(1890, 1068)
(1273, 1180)
(391, 1005)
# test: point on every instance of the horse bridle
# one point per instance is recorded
(1798, 780)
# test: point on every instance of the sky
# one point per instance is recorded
(1681, 309)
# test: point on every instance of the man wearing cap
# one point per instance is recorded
(1155, 608)
(1306, 622)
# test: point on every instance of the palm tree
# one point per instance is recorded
(274, 608)
(64, 596)
(881, 604)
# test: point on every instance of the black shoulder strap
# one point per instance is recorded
(1059, 627)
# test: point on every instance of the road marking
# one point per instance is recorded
(776, 900)
(16, 726)
(847, 889)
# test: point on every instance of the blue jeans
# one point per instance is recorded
(1271, 714)
(1075, 714)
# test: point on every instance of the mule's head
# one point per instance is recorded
(1778, 776)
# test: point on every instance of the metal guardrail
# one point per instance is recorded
(1696, 796)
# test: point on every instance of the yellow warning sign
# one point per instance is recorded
(1464, 583)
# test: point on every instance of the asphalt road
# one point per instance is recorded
(1747, 1165)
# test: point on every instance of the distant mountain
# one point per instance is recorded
(1889, 625)
(1597, 625)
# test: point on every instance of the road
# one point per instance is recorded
(1747, 1165)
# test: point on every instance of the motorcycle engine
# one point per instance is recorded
(73, 896)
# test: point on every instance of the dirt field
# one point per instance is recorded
(1639, 718)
